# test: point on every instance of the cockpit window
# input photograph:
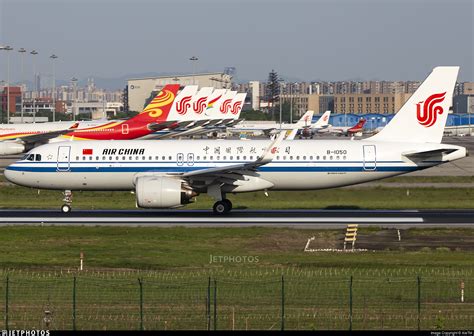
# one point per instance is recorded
(38, 157)
(30, 157)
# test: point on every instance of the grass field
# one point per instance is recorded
(367, 198)
(174, 266)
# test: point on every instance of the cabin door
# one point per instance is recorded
(370, 161)
(64, 158)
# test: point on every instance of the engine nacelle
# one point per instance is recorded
(162, 192)
(306, 132)
(11, 148)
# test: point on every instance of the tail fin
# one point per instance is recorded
(159, 108)
(305, 119)
(423, 117)
(323, 121)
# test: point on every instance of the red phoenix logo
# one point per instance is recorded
(427, 117)
(236, 107)
(200, 105)
(183, 105)
(225, 107)
(274, 150)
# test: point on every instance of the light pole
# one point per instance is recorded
(281, 107)
(22, 51)
(53, 58)
(74, 86)
(8, 48)
(34, 53)
(193, 60)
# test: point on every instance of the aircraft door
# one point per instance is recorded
(64, 158)
(370, 160)
(124, 128)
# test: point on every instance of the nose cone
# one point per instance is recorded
(15, 176)
(10, 174)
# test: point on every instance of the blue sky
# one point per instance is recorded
(304, 40)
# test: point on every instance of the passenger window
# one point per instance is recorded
(130, 158)
(83, 158)
(317, 158)
(238, 158)
(330, 158)
(278, 157)
(143, 158)
(163, 158)
(110, 158)
(298, 157)
(116, 158)
(225, 157)
(150, 158)
(197, 158)
(170, 158)
(244, 158)
(291, 157)
(324, 157)
(231, 157)
(210, 158)
(304, 157)
(77, 158)
(104, 158)
(90, 158)
(311, 157)
(123, 158)
(344, 157)
(97, 158)
(337, 157)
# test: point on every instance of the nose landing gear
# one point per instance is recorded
(66, 207)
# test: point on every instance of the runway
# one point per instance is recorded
(243, 218)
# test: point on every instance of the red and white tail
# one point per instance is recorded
(158, 109)
(423, 117)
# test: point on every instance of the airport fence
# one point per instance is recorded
(84, 302)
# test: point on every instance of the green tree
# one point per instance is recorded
(254, 115)
(272, 91)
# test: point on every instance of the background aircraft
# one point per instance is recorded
(167, 174)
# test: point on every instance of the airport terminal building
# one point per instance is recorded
(139, 89)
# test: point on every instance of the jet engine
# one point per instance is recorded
(162, 192)
(11, 148)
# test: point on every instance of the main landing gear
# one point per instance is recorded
(66, 207)
(222, 207)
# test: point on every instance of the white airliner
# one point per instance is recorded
(307, 131)
(271, 127)
(167, 174)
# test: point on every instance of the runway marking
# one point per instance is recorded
(236, 220)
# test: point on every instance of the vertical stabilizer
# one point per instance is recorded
(423, 117)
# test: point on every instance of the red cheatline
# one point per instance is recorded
(87, 151)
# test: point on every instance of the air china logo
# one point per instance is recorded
(183, 105)
(225, 107)
(325, 118)
(274, 150)
(236, 107)
(200, 105)
(428, 115)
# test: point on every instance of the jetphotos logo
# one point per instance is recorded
(428, 113)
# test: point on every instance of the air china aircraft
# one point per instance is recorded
(168, 174)
(204, 112)
(272, 128)
(308, 131)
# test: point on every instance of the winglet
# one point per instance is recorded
(272, 149)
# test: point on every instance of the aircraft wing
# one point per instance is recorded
(240, 169)
(43, 137)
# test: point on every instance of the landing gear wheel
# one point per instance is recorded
(221, 207)
(65, 208)
(229, 203)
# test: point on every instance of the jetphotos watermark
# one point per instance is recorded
(222, 259)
